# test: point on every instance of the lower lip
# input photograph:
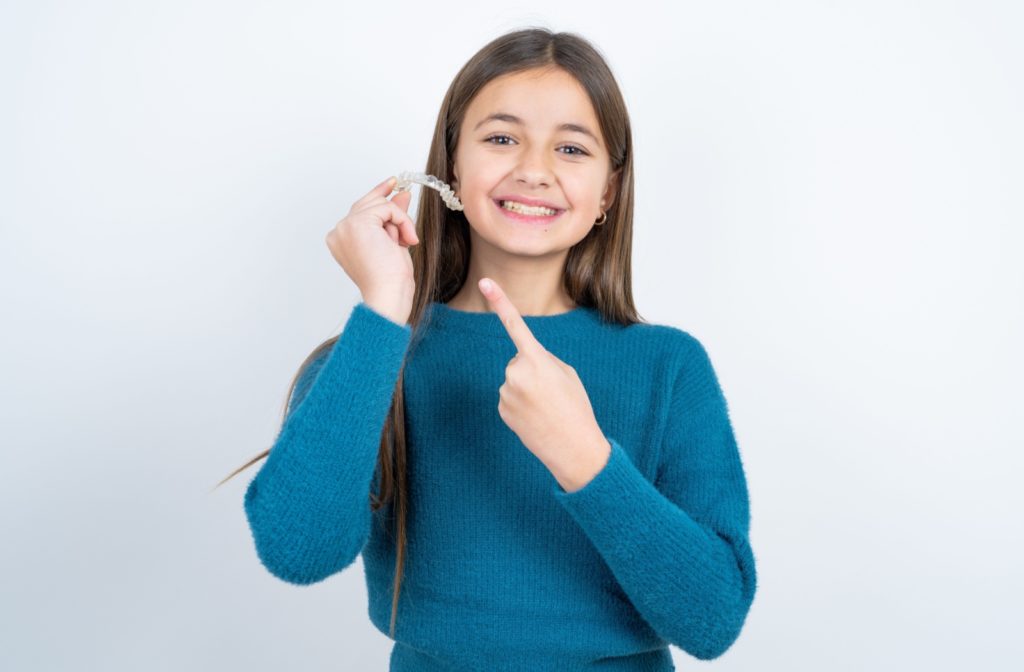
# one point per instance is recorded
(528, 219)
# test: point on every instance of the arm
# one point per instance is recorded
(679, 548)
(308, 506)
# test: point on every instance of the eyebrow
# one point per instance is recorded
(513, 119)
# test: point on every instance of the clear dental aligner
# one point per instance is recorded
(406, 179)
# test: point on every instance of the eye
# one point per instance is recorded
(579, 150)
(495, 137)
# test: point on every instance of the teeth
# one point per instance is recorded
(527, 209)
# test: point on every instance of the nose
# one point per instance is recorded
(533, 169)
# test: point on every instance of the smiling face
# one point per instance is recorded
(532, 135)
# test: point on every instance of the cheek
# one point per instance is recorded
(584, 192)
(479, 173)
(585, 209)
(580, 225)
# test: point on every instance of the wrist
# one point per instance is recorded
(577, 473)
(387, 305)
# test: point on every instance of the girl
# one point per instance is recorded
(552, 483)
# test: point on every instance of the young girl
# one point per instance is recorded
(553, 484)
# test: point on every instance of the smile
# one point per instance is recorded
(528, 215)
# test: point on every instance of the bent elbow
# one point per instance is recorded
(716, 639)
(302, 569)
(721, 625)
(299, 547)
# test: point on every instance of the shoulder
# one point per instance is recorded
(679, 354)
(691, 370)
(677, 347)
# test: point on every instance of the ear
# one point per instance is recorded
(613, 188)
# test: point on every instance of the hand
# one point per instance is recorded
(371, 244)
(544, 402)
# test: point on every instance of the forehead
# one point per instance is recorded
(542, 99)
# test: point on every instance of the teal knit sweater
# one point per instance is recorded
(504, 569)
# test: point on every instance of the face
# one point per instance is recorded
(532, 158)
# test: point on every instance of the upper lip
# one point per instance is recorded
(529, 201)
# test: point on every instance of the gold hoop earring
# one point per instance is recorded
(604, 218)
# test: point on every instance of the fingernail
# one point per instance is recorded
(486, 286)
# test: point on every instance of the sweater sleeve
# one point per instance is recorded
(308, 506)
(679, 547)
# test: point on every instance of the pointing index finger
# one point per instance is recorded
(513, 321)
(381, 190)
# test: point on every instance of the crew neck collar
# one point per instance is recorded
(488, 323)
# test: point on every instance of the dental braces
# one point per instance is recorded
(407, 178)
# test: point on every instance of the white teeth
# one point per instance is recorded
(527, 209)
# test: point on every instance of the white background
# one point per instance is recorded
(828, 197)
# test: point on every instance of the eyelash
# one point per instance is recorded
(582, 152)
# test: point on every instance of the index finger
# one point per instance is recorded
(380, 191)
(514, 323)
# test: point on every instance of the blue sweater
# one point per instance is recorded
(505, 569)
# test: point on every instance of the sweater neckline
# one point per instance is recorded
(489, 324)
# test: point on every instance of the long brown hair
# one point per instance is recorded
(597, 269)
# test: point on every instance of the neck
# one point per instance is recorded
(475, 302)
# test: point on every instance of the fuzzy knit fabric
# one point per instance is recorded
(504, 569)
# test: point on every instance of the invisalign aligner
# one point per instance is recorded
(408, 177)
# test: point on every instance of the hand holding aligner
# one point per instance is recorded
(406, 179)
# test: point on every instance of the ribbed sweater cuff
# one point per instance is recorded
(619, 497)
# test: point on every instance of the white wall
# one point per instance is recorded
(828, 196)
